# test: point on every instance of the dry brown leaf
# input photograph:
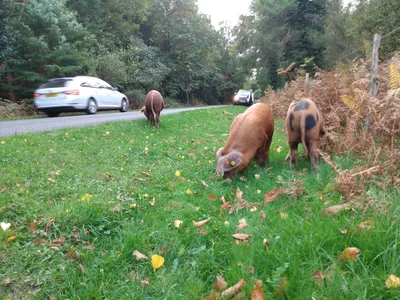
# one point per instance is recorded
(213, 296)
(369, 224)
(262, 216)
(251, 270)
(140, 179)
(88, 245)
(241, 236)
(82, 268)
(39, 241)
(242, 225)
(55, 248)
(75, 235)
(239, 195)
(72, 254)
(253, 209)
(393, 282)
(240, 296)
(265, 243)
(163, 249)
(211, 197)
(145, 173)
(318, 278)
(350, 253)
(204, 184)
(59, 241)
(230, 292)
(257, 292)
(220, 285)
(257, 176)
(226, 205)
(335, 209)
(139, 255)
(153, 202)
(32, 228)
(4, 189)
(222, 200)
(117, 208)
(242, 178)
(282, 289)
(49, 224)
(271, 196)
(144, 282)
(200, 223)
(51, 180)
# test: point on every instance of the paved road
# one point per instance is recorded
(8, 128)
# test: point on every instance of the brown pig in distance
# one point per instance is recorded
(304, 125)
(250, 138)
(154, 104)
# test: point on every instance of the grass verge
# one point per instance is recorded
(81, 200)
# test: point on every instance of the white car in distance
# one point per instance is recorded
(80, 93)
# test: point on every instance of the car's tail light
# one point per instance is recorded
(73, 92)
(36, 95)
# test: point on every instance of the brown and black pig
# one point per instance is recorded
(154, 104)
(304, 125)
(250, 138)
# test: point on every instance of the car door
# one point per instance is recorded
(101, 93)
(113, 96)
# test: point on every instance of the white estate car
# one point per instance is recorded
(80, 93)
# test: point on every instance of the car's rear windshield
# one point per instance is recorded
(56, 83)
(243, 92)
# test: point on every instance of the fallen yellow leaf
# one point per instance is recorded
(86, 197)
(11, 238)
(284, 216)
(157, 261)
(393, 282)
(177, 173)
(178, 223)
(189, 192)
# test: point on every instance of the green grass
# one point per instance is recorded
(104, 161)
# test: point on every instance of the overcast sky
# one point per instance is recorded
(228, 10)
(224, 10)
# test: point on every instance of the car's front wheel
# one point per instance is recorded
(92, 107)
(52, 114)
(124, 105)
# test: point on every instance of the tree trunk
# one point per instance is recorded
(373, 84)
(10, 80)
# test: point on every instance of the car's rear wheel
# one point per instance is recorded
(124, 106)
(92, 107)
(52, 114)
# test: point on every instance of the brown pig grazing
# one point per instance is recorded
(304, 125)
(154, 104)
(250, 138)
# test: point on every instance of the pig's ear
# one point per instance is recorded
(219, 153)
(231, 161)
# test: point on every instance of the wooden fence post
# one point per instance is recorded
(373, 84)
